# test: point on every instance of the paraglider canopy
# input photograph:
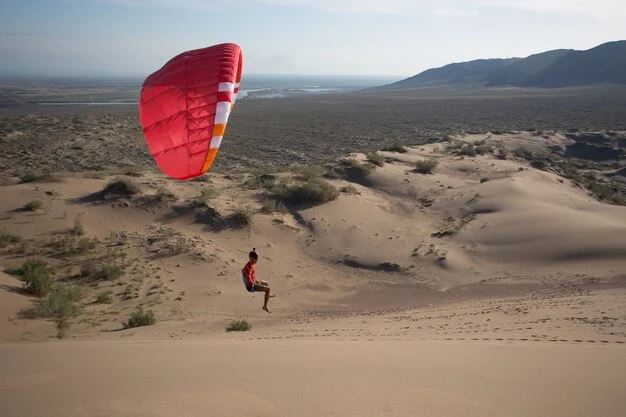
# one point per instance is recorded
(185, 105)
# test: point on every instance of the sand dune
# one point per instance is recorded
(484, 288)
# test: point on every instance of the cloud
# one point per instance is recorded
(602, 9)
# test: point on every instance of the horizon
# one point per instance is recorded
(133, 38)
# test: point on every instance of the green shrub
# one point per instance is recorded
(107, 271)
(313, 192)
(241, 217)
(78, 229)
(468, 151)
(140, 318)
(349, 189)
(164, 196)
(310, 172)
(356, 167)
(123, 187)
(207, 194)
(266, 181)
(7, 238)
(376, 159)
(104, 298)
(272, 206)
(33, 205)
(395, 148)
(38, 277)
(63, 327)
(30, 175)
(426, 166)
(19, 271)
(238, 326)
(61, 302)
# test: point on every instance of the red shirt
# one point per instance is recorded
(249, 273)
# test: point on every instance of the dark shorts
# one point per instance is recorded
(252, 288)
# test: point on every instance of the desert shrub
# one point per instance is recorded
(310, 172)
(30, 175)
(133, 171)
(395, 148)
(38, 277)
(207, 194)
(61, 302)
(17, 271)
(104, 298)
(349, 189)
(107, 271)
(79, 228)
(122, 186)
(140, 318)
(63, 327)
(452, 228)
(164, 196)
(241, 217)
(425, 201)
(362, 169)
(266, 181)
(7, 238)
(272, 206)
(85, 244)
(33, 205)
(426, 166)
(524, 154)
(604, 192)
(309, 193)
(539, 164)
(238, 326)
(467, 151)
(178, 245)
(376, 159)
(69, 245)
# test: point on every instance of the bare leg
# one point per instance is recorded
(268, 294)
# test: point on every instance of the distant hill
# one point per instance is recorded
(605, 63)
(519, 72)
(463, 72)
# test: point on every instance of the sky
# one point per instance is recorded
(313, 37)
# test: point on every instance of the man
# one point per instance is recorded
(248, 274)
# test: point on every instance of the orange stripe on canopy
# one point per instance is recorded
(219, 129)
(210, 156)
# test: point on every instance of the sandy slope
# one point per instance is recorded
(310, 378)
(473, 220)
(485, 288)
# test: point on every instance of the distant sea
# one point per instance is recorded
(72, 91)
(277, 86)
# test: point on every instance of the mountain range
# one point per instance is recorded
(604, 64)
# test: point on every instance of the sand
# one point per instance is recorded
(485, 288)
(311, 378)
